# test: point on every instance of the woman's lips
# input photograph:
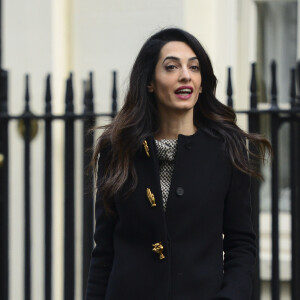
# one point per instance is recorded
(184, 96)
(184, 92)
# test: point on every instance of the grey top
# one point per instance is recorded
(166, 151)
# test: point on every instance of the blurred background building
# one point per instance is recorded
(63, 36)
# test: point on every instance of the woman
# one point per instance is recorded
(174, 182)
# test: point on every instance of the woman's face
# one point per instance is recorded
(177, 78)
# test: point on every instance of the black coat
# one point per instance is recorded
(208, 198)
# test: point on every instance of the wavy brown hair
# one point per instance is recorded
(138, 119)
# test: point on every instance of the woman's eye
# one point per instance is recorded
(170, 67)
(195, 68)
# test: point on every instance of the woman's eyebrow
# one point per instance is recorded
(178, 59)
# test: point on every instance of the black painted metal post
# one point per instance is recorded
(27, 239)
(254, 127)
(48, 192)
(4, 271)
(295, 189)
(114, 95)
(3, 177)
(274, 184)
(69, 235)
(229, 89)
(88, 186)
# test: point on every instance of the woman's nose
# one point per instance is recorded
(184, 74)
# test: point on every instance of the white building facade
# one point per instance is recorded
(62, 36)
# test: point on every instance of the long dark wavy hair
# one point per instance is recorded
(138, 119)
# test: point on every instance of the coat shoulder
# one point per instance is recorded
(212, 141)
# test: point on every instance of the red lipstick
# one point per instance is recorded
(184, 92)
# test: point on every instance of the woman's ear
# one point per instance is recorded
(150, 87)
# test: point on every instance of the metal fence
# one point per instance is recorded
(27, 125)
(277, 117)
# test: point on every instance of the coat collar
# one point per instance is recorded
(149, 143)
(181, 136)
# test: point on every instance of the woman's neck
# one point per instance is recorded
(171, 127)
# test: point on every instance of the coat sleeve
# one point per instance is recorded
(239, 242)
(103, 253)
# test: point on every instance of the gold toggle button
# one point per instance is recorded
(1, 160)
(158, 248)
(151, 198)
(146, 148)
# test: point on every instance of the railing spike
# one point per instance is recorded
(85, 92)
(273, 85)
(48, 94)
(67, 91)
(71, 88)
(114, 95)
(229, 89)
(91, 89)
(69, 94)
(27, 94)
(293, 88)
(253, 87)
(298, 83)
(91, 93)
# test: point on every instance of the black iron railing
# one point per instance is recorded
(3, 188)
(28, 127)
(278, 117)
(27, 124)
